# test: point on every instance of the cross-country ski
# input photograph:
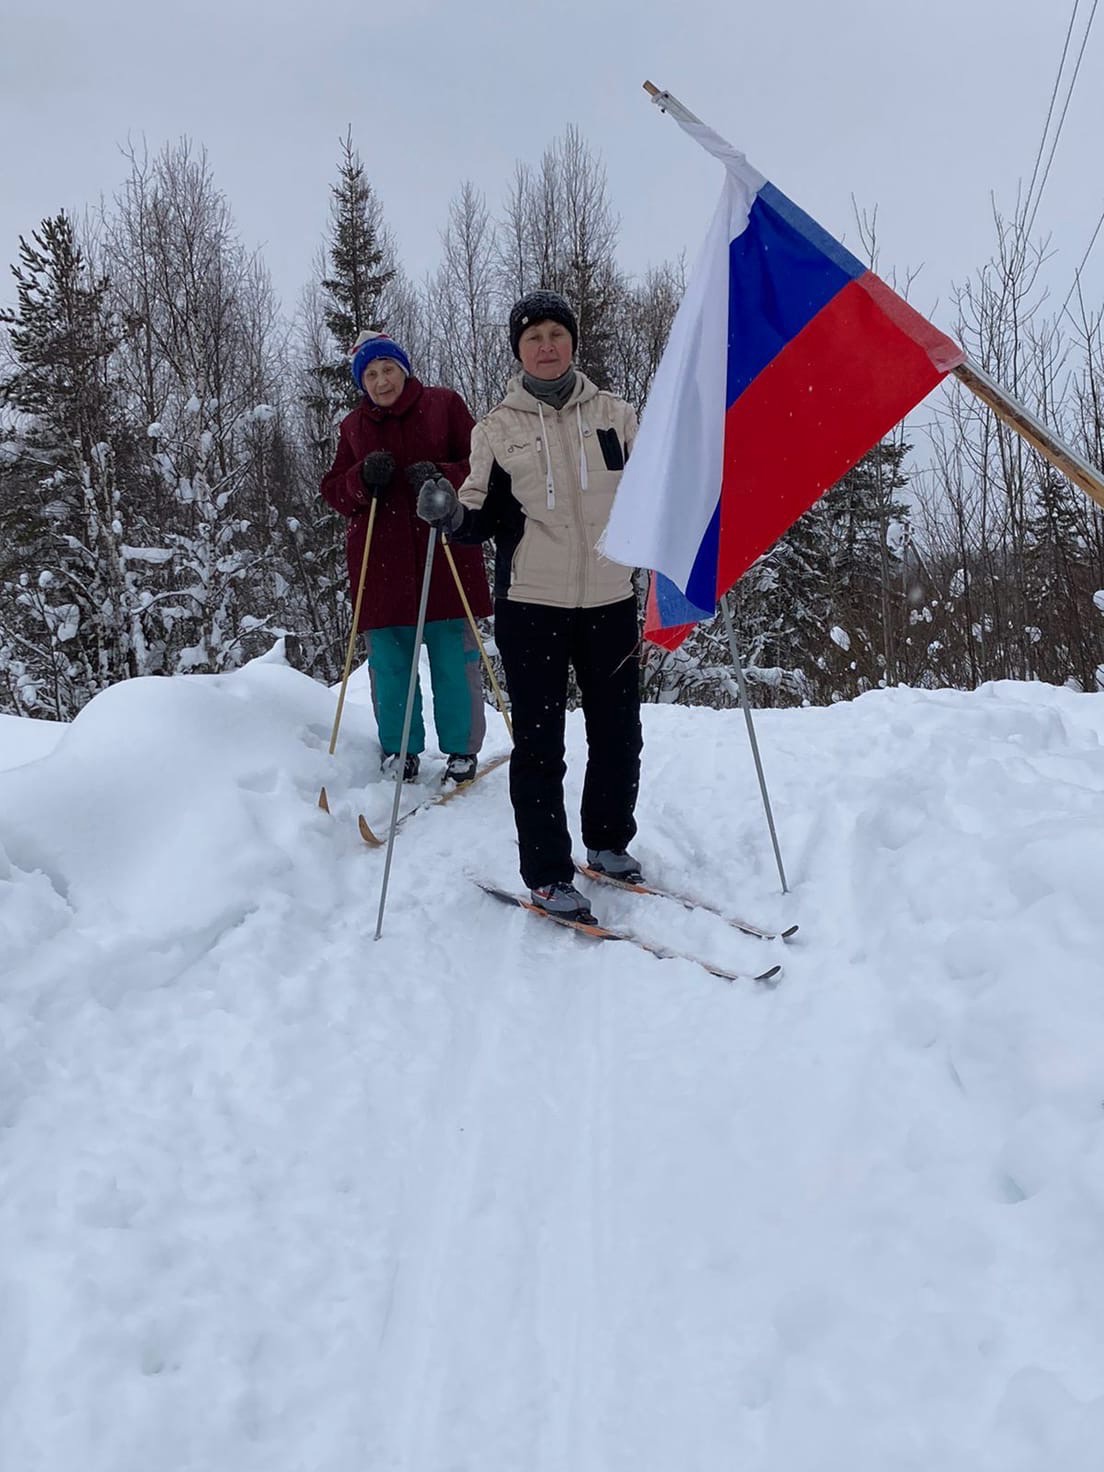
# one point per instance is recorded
(444, 794)
(590, 928)
(687, 901)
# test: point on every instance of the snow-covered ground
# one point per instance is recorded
(483, 1196)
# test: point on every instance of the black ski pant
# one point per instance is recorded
(539, 647)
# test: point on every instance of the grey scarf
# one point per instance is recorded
(554, 391)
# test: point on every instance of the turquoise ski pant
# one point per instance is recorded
(458, 710)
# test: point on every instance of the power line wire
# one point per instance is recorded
(1062, 118)
(1050, 108)
(1077, 274)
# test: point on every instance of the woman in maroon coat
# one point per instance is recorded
(399, 435)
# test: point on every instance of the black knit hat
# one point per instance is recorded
(542, 306)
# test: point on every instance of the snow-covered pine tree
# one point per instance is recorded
(867, 603)
(1060, 576)
(76, 595)
(821, 610)
(313, 533)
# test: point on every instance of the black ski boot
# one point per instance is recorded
(460, 769)
(389, 760)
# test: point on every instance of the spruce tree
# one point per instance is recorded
(1061, 639)
(865, 515)
(360, 268)
(818, 614)
(782, 609)
(356, 270)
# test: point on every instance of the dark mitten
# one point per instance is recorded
(439, 504)
(376, 470)
(418, 473)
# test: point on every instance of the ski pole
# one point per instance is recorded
(400, 765)
(471, 620)
(323, 801)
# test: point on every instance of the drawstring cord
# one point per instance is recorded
(549, 483)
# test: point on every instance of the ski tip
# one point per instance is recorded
(323, 801)
(790, 930)
(366, 833)
(771, 975)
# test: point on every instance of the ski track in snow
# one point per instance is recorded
(486, 1195)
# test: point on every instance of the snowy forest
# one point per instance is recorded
(164, 424)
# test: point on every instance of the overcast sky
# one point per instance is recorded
(923, 108)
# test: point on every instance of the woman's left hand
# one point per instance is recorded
(439, 504)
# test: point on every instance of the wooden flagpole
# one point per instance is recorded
(1018, 417)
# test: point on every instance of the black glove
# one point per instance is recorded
(439, 504)
(376, 470)
(418, 473)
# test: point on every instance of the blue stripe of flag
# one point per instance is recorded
(701, 586)
(674, 609)
(783, 270)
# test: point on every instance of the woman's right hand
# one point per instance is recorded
(376, 471)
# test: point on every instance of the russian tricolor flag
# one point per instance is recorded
(788, 359)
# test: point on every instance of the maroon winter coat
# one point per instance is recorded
(422, 424)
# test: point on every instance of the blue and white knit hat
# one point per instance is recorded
(371, 345)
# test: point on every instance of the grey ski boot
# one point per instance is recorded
(564, 900)
(618, 864)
